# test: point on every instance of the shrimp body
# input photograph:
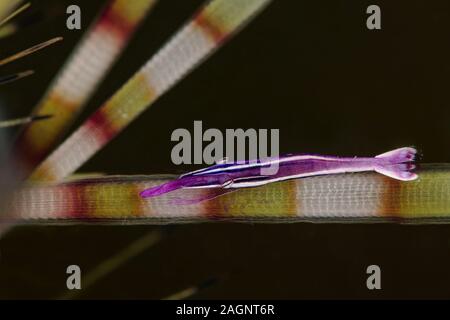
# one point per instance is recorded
(396, 164)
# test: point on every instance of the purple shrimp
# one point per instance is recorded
(229, 176)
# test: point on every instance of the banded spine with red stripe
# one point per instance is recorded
(80, 76)
(331, 198)
(217, 21)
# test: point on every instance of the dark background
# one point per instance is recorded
(311, 69)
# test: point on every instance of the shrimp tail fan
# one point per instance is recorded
(397, 164)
